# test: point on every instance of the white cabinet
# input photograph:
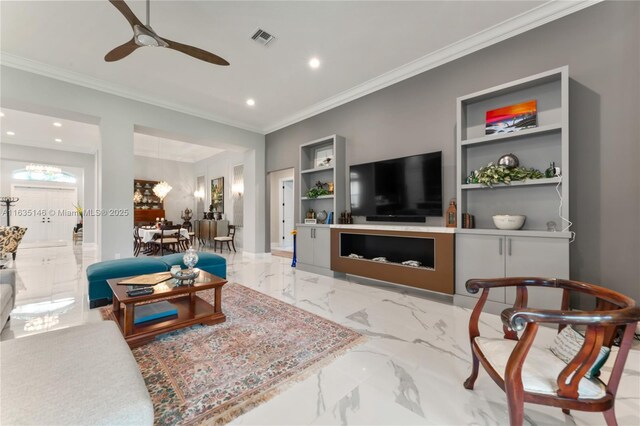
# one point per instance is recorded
(314, 248)
(479, 256)
(537, 257)
(322, 247)
(497, 256)
(487, 252)
(304, 242)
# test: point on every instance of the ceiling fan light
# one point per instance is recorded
(146, 40)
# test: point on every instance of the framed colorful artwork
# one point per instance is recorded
(512, 118)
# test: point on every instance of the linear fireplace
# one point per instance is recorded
(354, 248)
(389, 249)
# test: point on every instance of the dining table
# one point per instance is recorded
(148, 234)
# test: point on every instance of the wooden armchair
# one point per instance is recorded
(545, 379)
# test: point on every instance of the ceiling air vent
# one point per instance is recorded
(262, 37)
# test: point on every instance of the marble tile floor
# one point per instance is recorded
(409, 371)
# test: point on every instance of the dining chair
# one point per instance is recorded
(229, 239)
(184, 242)
(137, 241)
(169, 238)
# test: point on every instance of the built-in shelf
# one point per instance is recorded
(540, 130)
(543, 181)
(515, 233)
(317, 169)
(315, 225)
(405, 228)
(322, 197)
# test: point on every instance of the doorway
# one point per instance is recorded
(282, 204)
(49, 214)
(285, 218)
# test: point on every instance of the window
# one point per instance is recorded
(44, 175)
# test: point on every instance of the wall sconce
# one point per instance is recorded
(237, 189)
(199, 194)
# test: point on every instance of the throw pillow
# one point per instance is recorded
(568, 343)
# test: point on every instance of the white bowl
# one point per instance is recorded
(509, 221)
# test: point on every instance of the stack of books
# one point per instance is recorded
(468, 220)
(153, 311)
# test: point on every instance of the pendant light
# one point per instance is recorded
(162, 188)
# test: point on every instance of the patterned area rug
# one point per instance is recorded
(212, 374)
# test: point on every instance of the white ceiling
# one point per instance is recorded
(167, 149)
(38, 131)
(355, 41)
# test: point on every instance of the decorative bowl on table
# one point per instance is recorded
(509, 221)
(186, 276)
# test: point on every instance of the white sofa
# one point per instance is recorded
(7, 294)
(75, 376)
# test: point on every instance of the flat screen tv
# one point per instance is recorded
(401, 187)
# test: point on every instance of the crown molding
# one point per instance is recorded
(46, 70)
(545, 13)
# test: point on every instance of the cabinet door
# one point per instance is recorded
(538, 257)
(204, 230)
(304, 241)
(479, 256)
(322, 247)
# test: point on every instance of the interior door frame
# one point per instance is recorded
(281, 219)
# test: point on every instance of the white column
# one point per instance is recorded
(115, 184)
(254, 201)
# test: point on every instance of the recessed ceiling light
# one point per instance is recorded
(57, 124)
(58, 140)
(251, 102)
(10, 133)
(314, 63)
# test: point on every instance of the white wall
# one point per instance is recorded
(221, 165)
(82, 165)
(178, 174)
(117, 118)
(273, 181)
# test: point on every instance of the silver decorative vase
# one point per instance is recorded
(190, 258)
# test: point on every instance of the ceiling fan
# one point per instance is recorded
(144, 35)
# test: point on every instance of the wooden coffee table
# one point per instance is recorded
(191, 308)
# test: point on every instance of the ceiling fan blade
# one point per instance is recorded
(128, 14)
(195, 52)
(121, 51)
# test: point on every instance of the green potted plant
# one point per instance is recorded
(492, 174)
(318, 190)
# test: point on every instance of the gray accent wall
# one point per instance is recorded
(601, 45)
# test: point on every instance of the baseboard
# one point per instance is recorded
(256, 255)
(414, 291)
(469, 302)
(318, 270)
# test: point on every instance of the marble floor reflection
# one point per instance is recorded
(409, 371)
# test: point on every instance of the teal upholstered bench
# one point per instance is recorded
(97, 274)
